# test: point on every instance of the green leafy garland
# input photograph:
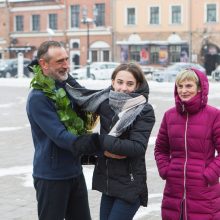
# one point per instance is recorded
(72, 122)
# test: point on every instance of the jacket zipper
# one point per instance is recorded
(185, 142)
(130, 173)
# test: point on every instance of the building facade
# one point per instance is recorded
(153, 32)
(83, 26)
(159, 32)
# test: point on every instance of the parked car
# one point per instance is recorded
(216, 74)
(150, 69)
(169, 74)
(98, 70)
(9, 68)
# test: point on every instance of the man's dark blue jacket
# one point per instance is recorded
(53, 159)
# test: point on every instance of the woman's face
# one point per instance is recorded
(124, 82)
(187, 89)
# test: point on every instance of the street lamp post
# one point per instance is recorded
(87, 21)
(88, 49)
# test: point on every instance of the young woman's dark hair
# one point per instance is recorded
(134, 69)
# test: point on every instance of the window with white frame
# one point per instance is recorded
(75, 16)
(176, 14)
(75, 45)
(19, 23)
(53, 21)
(35, 22)
(154, 15)
(131, 16)
(99, 14)
(211, 13)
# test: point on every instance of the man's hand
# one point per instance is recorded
(114, 156)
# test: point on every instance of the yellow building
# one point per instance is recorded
(160, 32)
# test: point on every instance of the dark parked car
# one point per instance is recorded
(9, 68)
(216, 74)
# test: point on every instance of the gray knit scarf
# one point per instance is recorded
(126, 105)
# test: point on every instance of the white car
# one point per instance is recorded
(98, 70)
(169, 74)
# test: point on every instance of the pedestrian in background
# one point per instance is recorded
(126, 120)
(58, 179)
(187, 152)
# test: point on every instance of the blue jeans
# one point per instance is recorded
(113, 208)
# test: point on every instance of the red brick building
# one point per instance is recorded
(83, 26)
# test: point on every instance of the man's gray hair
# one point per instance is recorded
(44, 47)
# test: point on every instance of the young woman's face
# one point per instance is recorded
(187, 89)
(124, 82)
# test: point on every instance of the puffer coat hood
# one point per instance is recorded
(199, 101)
(187, 153)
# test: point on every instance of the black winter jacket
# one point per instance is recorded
(124, 178)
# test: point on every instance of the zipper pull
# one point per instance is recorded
(132, 177)
(183, 107)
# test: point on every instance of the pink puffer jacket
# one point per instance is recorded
(187, 153)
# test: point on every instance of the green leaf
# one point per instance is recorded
(71, 121)
(61, 93)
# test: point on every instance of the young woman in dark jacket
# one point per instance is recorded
(126, 120)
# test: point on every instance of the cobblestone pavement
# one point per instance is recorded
(17, 200)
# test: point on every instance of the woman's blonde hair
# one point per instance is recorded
(187, 74)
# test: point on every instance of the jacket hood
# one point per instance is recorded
(143, 90)
(197, 102)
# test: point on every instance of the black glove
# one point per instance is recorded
(86, 144)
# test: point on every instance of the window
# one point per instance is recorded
(176, 14)
(154, 54)
(131, 16)
(174, 53)
(75, 45)
(211, 13)
(53, 21)
(154, 15)
(135, 53)
(19, 23)
(94, 55)
(35, 22)
(99, 14)
(75, 16)
(105, 55)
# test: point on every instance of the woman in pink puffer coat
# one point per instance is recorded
(187, 152)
